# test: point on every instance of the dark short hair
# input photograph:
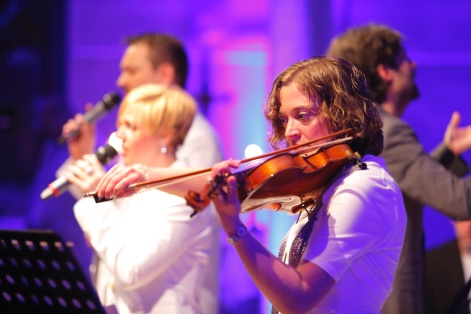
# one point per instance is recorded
(344, 102)
(367, 47)
(165, 48)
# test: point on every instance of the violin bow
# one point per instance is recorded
(172, 180)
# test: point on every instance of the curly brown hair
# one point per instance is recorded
(344, 99)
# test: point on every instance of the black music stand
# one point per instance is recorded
(39, 274)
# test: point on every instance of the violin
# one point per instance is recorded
(287, 180)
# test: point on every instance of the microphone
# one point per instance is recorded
(104, 154)
(108, 102)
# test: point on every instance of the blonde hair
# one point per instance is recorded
(160, 108)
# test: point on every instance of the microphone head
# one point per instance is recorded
(105, 153)
(111, 99)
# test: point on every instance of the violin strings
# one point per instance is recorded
(202, 172)
(164, 182)
(341, 140)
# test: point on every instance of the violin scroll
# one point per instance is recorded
(199, 201)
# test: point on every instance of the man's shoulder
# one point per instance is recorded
(393, 126)
(202, 129)
(443, 251)
(202, 145)
(201, 120)
(390, 120)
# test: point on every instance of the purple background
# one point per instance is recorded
(236, 49)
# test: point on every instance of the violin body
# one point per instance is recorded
(286, 182)
(289, 182)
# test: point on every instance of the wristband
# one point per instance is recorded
(240, 232)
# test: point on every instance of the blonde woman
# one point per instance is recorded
(153, 257)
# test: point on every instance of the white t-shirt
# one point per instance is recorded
(201, 148)
(153, 256)
(357, 238)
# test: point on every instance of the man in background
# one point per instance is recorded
(379, 53)
(159, 59)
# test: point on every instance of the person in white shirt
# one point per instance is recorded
(153, 257)
(342, 253)
(159, 59)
